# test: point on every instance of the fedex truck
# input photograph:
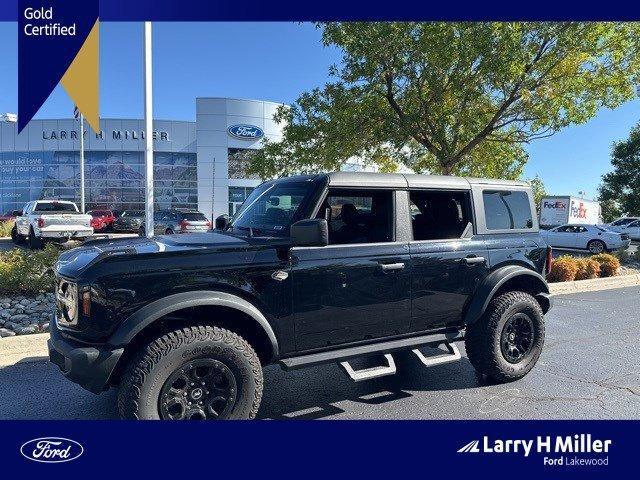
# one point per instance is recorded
(559, 210)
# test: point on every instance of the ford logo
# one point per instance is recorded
(245, 132)
(51, 450)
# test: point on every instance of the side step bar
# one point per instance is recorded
(372, 372)
(452, 356)
(389, 346)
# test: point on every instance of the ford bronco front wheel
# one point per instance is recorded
(195, 373)
(507, 341)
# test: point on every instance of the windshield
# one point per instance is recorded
(55, 207)
(132, 213)
(271, 208)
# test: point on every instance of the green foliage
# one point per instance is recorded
(5, 228)
(27, 272)
(538, 189)
(620, 189)
(610, 209)
(453, 98)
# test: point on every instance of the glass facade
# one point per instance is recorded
(239, 160)
(237, 195)
(113, 179)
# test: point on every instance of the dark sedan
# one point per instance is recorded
(129, 221)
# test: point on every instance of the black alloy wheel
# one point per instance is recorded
(517, 337)
(202, 389)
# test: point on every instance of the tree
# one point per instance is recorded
(620, 189)
(453, 98)
(538, 189)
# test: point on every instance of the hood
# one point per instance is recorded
(74, 262)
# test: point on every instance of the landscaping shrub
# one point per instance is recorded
(622, 255)
(26, 272)
(609, 265)
(5, 228)
(563, 269)
(636, 255)
(587, 269)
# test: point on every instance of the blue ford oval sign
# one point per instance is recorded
(51, 450)
(245, 132)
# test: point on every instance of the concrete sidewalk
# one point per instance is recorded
(23, 348)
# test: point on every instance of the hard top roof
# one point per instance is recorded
(402, 180)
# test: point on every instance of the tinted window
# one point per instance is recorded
(439, 214)
(507, 210)
(358, 216)
(271, 208)
(55, 207)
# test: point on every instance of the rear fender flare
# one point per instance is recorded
(179, 301)
(496, 279)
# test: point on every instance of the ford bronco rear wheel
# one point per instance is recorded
(195, 373)
(507, 341)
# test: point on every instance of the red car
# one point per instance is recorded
(101, 219)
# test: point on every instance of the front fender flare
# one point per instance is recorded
(172, 303)
(496, 279)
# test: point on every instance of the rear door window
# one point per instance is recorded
(507, 210)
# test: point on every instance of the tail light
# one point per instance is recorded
(40, 222)
(183, 225)
(549, 260)
(209, 225)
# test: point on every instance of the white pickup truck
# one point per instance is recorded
(51, 220)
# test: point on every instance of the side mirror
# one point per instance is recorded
(310, 233)
(222, 222)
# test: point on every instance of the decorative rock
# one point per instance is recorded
(26, 330)
(4, 332)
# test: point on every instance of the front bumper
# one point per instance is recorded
(88, 366)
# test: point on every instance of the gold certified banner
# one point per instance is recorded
(81, 80)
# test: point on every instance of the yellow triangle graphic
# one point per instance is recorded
(81, 79)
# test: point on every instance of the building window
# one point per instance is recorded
(239, 161)
(113, 179)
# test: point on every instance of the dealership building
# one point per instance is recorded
(201, 164)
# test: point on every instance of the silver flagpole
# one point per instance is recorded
(148, 120)
(82, 163)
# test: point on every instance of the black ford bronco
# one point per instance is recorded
(311, 269)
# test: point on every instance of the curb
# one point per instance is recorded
(23, 349)
(595, 284)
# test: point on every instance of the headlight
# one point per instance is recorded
(67, 303)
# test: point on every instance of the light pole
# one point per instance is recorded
(82, 163)
(148, 137)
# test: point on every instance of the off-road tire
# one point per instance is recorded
(483, 337)
(16, 237)
(34, 242)
(141, 384)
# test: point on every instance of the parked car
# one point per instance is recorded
(619, 224)
(129, 221)
(172, 221)
(594, 238)
(10, 216)
(102, 220)
(633, 230)
(50, 220)
(312, 269)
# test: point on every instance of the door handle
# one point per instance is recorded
(390, 267)
(472, 260)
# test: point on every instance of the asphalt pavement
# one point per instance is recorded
(589, 369)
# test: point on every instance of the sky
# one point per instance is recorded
(277, 62)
